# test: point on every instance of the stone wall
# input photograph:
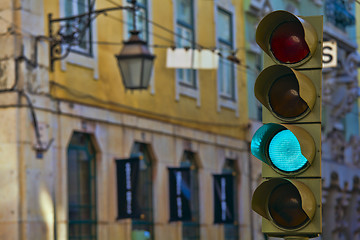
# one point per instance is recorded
(34, 205)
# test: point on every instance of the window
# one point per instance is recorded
(141, 19)
(144, 227)
(81, 188)
(225, 41)
(185, 38)
(84, 53)
(191, 230)
(73, 8)
(231, 231)
(226, 74)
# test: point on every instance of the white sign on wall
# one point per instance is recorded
(329, 58)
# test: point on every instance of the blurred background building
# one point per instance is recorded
(62, 129)
(340, 133)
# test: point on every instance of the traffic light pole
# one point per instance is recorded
(295, 238)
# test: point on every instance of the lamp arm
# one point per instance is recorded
(96, 12)
(77, 33)
(71, 39)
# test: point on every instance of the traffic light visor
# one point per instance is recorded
(286, 38)
(289, 204)
(287, 149)
(288, 94)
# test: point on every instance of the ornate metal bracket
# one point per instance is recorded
(73, 31)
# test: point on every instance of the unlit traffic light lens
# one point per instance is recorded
(285, 99)
(285, 152)
(285, 207)
(288, 44)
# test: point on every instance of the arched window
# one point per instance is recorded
(191, 229)
(81, 179)
(143, 228)
(231, 231)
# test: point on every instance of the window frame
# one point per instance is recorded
(90, 151)
(145, 8)
(77, 55)
(189, 160)
(230, 166)
(225, 100)
(146, 223)
(223, 63)
(88, 51)
(185, 87)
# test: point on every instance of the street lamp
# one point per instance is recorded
(134, 61)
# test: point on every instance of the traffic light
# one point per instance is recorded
(289, 142)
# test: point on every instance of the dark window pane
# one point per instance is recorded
(78, 26)
(145, 225)
(231, 231)
(184, 11)
(191, 230)
(185, 38)
(141, 20)
(81, 188)
(224, 21)
(225, 39)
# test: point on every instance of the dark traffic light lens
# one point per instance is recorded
(285, 207)
(284, 97)
(288, 44)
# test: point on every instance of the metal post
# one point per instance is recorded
(134, 14)
(295, 238)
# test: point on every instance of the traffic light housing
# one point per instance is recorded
(280, 33)
(289, 142)
(289, 207)
(289, 95)
(288, 150)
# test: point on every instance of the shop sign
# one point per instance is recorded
(180, 194)
(223, 198)
(127, 171)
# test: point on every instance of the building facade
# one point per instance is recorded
(64, 125)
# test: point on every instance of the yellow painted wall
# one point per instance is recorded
(77, 83)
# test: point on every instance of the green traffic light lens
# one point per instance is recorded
(284, 98)
(285, 152)
(285, 207)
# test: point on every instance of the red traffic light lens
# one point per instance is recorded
(285, 207)
(284, 97)
(288, 43)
